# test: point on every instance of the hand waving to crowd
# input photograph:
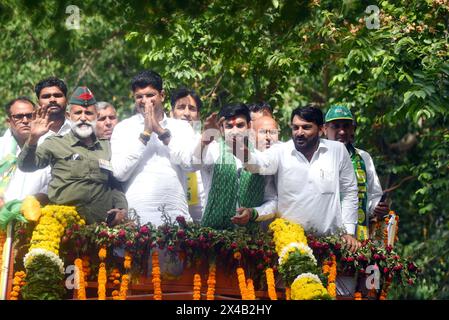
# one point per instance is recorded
(40, 125)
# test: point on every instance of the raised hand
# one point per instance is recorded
(211, 128)
(148, 119)
(40, 125)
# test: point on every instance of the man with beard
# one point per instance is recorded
(231, 191)
(316, 185)
(107, 119)
(16, 184)
(186, 105)
(52, 94)
(340, 126)
(81, 171)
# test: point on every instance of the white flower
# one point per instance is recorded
(50, 255)
(305, 249)
(308, 275)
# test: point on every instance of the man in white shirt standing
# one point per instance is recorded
(340, 126)
(186, 105)
(316, 183)
(16, 184)
(151, 154)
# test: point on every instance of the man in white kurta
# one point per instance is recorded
(316, 185)
(151, 154)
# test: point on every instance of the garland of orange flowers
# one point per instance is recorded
(211, 282)
(156, 273)
(250, 289)
(242, 283)
(287, 294)
(358, 296)
(270, 284)
(196, 287)
(81, 291)
(386, 287)
(102, 275)
(331, 287)
(86, 267)
(18, 282)
(125, 278)
(2, 243)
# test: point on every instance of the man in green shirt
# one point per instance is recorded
(81, 174)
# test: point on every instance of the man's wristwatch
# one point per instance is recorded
(145, 136)
(165, 135)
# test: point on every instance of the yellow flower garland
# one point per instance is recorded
(307, 287)
(156, 273)
(211, 281)
(196, 287)
(286, 232)
(270, 284)
(52, 223)
(18, 282)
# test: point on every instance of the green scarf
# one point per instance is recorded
(362, 185)
(226, 193)
(7, 167)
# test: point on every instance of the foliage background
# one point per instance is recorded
(395, 79)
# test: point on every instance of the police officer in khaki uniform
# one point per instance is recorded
(81, 173)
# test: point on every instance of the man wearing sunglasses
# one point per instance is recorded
(16, 184)
(52, 95)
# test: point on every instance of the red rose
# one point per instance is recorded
(181, 234)
(144, 229)
(233, 245)
(386, 270)
(121, 233)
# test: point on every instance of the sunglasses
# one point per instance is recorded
(49, 95)
(20, 116)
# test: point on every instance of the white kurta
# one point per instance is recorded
(320, 195)
(154, 174)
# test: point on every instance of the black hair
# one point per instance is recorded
(50, 82)
(183, 92)
(146, 78)
(234, 110)
(21, 98)
(310, 114)
(260, 106)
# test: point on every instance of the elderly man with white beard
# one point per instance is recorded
(81, 173)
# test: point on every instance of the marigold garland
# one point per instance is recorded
(2, 243)
(358, 296)
(124, 287)
(81, 291)
(288, 295)
(102, 275)
(196, 287)
(18, 282)
(330, 268)
(271, 284)
(128, 260)
(242, 283)
(211, 281)
(156, 273)
(250, 289)
(308, 286)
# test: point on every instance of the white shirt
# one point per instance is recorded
(23, 184)
(154, 174)
(211, 154)
(320, 195)
(374, 188)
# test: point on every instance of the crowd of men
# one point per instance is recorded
(230, 171)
